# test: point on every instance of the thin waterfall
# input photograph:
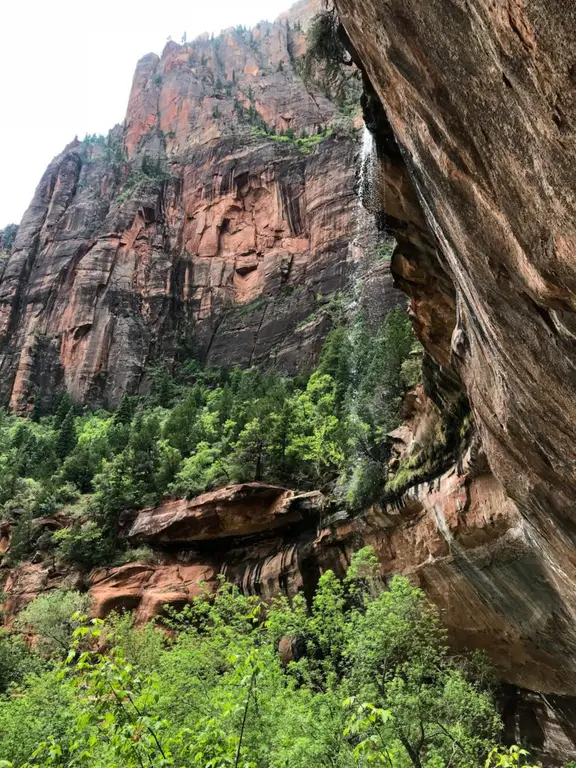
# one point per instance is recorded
(363, 242)
(365, 221)
(366, 301)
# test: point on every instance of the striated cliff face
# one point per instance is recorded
(472, 106)
(187, 227)
(190, 223)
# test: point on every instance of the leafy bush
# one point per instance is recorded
(369, 681)
(83, 545)
(327, 63)
(49, 618)
(7, 237)
(16, 660)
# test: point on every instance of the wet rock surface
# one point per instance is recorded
(473, 112)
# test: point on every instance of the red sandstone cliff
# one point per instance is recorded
(473, 116)
(185, 228)
(473, 110)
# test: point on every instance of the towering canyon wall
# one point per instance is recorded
(190, 223)
(472, 105)
(188, 227)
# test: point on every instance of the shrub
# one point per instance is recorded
(16, 660)
(7, 237)
(370, 682)
(50, 619)
(327, 63)
(83, 545)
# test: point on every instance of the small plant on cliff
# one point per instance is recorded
(144, 179)
(7, 237)
(327, 64)
(304, 143)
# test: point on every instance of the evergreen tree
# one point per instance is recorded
(126, 410)
(64, 406)
(66, 437)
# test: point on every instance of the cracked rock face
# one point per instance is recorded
(473, 109)
(188, 229)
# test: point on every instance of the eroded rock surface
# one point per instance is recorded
(236, 510)
(188, 229)
(473, 110)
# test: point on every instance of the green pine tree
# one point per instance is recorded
(66, 437)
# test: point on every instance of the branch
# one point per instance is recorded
(123, 710)
(450, 736)
(412, 754)
(147, 727)
(244, 719)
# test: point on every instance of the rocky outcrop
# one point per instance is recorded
(237, 510)
(259, 536)
(146, 589)
(198, 227)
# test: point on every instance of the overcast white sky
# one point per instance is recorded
(66, 67)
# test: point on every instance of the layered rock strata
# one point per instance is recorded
(199, 226)
(259, 536)
(473, 116)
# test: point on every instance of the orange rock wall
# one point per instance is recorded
(473, 111)
(189, 230)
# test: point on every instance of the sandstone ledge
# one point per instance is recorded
(237, 510)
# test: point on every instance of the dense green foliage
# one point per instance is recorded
(202, 429)
(372, 684)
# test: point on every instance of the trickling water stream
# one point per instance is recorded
(370, 247)
(363, 238)
(366, 232)
(366, 170)
(362, 249)
(369, 297)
